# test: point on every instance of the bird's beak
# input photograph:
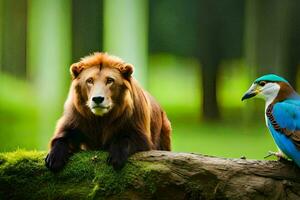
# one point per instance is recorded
(253, 91)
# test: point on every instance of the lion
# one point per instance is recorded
(107, 110)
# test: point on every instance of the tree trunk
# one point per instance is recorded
(14, 32)
(148, 175)
(220, 37)
(125, 33)
(272, 41)
(87, 23)
(210, 104)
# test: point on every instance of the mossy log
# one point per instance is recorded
(147, 175)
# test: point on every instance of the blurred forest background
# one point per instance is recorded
(196, 57)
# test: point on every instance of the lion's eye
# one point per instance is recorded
(262, 83)
(90, 81)
(109, 80)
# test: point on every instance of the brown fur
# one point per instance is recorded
(135, 123)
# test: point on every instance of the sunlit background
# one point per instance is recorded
(196, 57)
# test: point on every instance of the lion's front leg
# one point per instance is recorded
(62, 148)
(124, 146)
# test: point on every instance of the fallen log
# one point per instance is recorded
(147, 175)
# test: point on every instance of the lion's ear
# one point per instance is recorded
(76, 69)
(126, 70)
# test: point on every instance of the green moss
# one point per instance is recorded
(131, 177)
(86, 176)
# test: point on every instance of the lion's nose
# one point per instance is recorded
(98, 99)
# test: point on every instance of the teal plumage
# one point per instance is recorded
(282, 113)
(271, 77)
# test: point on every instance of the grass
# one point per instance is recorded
(18, 114)
(222, 139)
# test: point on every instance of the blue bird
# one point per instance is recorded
(282, 113)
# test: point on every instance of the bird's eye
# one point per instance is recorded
(262, 83)
(90, 81)
(109, 80)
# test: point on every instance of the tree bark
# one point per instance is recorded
(147, 175)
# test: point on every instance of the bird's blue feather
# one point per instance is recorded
(287, 115)
(285, 144)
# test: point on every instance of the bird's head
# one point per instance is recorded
(268, 87)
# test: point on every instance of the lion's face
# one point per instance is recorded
(101, 84)
(100, 88)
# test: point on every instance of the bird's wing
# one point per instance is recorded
(287, 116)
